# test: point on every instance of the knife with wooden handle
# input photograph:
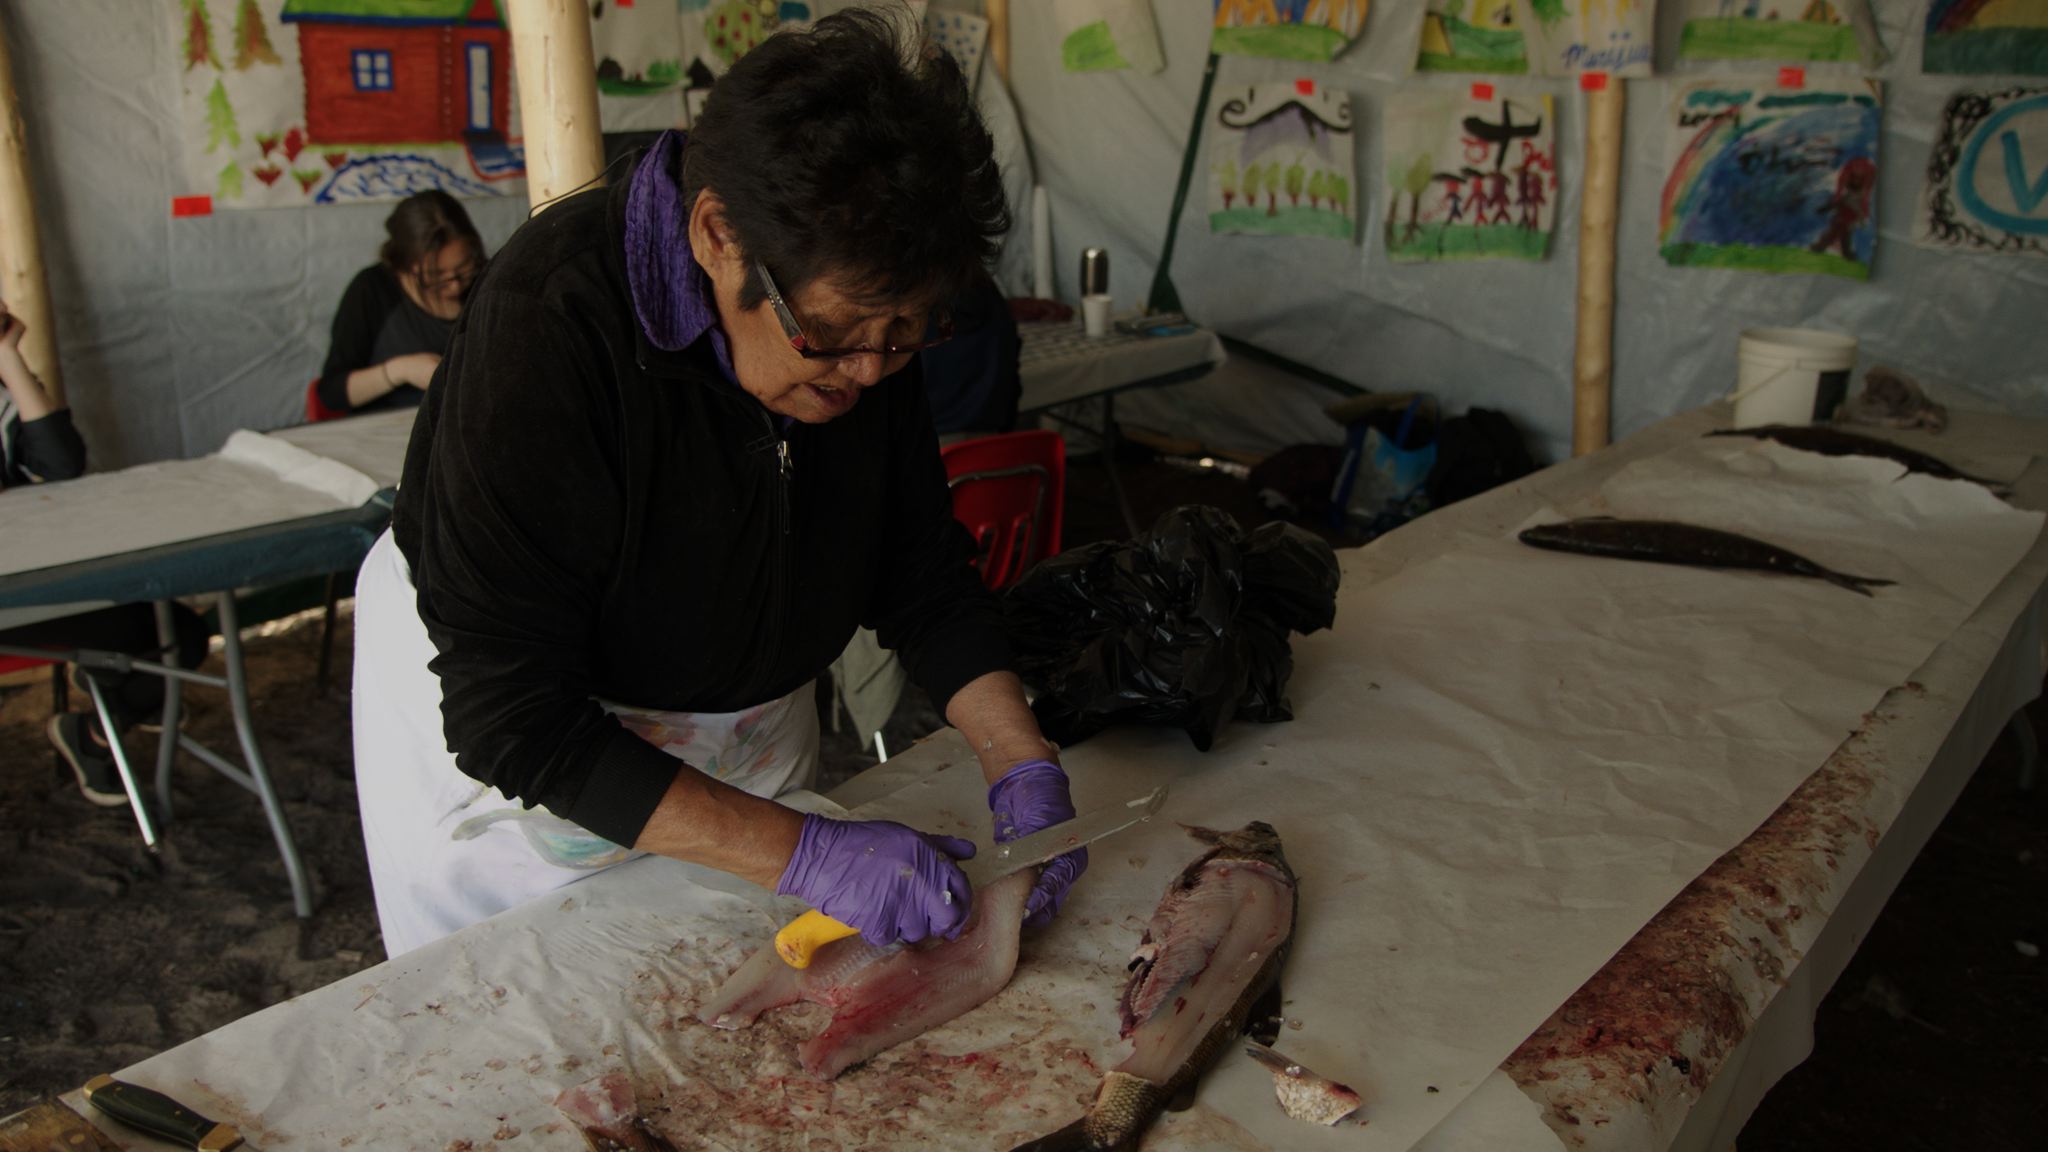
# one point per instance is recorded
(159, 1115)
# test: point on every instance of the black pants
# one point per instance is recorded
(130, 629)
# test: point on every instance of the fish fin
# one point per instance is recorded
(1263, 1024)
(1858, 584)
(1072, 1138)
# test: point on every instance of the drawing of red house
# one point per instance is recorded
(403, 71)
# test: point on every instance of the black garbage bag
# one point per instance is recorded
(1185, 626)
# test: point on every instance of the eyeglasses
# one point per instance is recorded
(938, 332)
(462, 277)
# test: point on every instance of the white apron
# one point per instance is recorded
(445, 850)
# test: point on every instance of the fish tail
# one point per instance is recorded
(1858, 584)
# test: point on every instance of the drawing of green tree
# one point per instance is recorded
(1297, 176)
(1318, 187)
(1340, 193)
(198, 36)
(252, 41)
(1274, 183)
(1415, 181)
(1226, 180)
(1454, 9)
(1251, 185)
(230, 187)
(1548, 11)
(220, 119)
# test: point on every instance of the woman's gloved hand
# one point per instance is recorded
(890, 882)
(1030, 796)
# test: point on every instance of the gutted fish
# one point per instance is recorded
(605, 1111)
(1669, 542)
(1303, 1094)
(1835, 442)
(1207, 968)
(880, 997)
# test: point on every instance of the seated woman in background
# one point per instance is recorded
(396, 316)
(38, 442)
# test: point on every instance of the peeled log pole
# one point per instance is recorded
(999, 37)
(557, 96)
(1593, 360)
(22, 283)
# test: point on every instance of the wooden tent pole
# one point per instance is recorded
(1593, 359)
(557, 96)
(23, 284)
(999, 36)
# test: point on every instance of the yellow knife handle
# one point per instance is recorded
(801, 938)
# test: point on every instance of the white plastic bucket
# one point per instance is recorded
(1790, 375)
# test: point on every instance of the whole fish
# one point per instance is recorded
(1207, 968)
(1835, 442)
(880, 997)
(1669, 542)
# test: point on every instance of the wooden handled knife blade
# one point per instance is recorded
(159, 1115)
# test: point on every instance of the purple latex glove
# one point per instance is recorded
(1030, 796)
(891, 882)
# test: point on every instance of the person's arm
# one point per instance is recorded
(513, 563)
(47, 445)
(931, 608)
(350, 379)
(512, 568)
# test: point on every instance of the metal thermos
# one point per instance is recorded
(1094, 271)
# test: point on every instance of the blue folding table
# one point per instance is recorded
(198, 559)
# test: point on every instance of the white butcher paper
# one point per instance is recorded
(1504, 762)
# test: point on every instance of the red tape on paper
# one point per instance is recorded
(191, 206)
(1482, 91)
(1305, 86)
(1592, 81)
(1791, 77)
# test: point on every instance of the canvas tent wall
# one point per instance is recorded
(174, 332)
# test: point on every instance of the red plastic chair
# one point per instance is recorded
(1009, 491)
(60, 689)
(316, 412)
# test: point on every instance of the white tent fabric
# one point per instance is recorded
(176, 332)
(1108, 145)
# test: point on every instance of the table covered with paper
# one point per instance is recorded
(1504, 764)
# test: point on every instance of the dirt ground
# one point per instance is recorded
(1935, 1037)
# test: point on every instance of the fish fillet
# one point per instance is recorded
(880, 997)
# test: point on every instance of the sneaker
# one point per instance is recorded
(71, 734)
(152, 724)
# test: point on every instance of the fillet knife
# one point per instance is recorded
(801, 938)
(159, 1115)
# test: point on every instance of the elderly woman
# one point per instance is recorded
(677, 452)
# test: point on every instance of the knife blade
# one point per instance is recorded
(801, 938)
(159, 1115)
(988, 867)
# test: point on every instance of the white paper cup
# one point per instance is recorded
(1095, 314)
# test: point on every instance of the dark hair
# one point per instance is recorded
(841, 150)
(422, 225)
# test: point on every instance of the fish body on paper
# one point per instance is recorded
(1826, 441)
(880, 997)
(1669, 542)
(1208, 962)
